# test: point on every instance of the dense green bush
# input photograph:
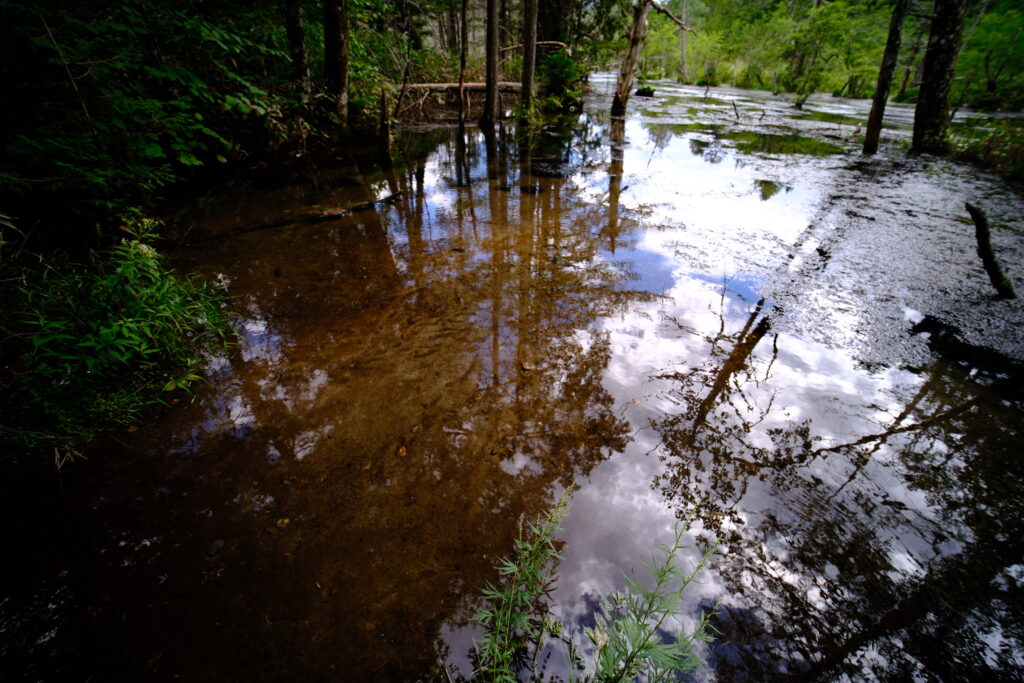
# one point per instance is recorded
(101, 341)
(117, 100)
(562, 79)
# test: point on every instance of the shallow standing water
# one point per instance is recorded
(682, 311)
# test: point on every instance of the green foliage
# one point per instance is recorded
(629, 630)
(991, 65)
(561, 77)
(999, 146)
(629, 637)
(116, 101)
(103, 340)
(835, 47)
(513, 615)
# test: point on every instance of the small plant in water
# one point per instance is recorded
(514, 616)
(636, 633)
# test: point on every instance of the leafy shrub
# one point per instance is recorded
(103, 340)
(561, 77)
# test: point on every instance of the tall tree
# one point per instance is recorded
(553, 20)
(892, 52)
(631, 60)
(931, 117)
(529, 52)
(296, 32)
(336, 35)
(490, 114)
(635, 46)
(683, 76)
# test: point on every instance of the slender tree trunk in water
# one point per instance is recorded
(683, 76)
(931, 117)
(343, 65)
(615, 171)
(892, 52)
(529, 53)
(490, 114)
(463, 43)
(630, 63)
(384, 133)
(297, 46)
(336, 54)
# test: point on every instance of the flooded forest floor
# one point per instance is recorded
(714, 307)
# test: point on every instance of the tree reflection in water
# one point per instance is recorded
(896, 552)
(412, 379)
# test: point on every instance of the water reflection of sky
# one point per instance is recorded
(527, 316)
(810, 472)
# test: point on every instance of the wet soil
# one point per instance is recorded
(794, 344)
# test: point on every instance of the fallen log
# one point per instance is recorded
(988, 257)
(510, 86)
(319, 216)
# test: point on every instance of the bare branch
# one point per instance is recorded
(678, 22)
(539, 42)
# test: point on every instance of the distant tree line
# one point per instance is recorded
(803, 46)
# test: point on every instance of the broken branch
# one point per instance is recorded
(988, 257)
(678, 22)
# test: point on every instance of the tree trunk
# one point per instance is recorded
(297, 46)
(683, 76)
(452, 31)
(529, 53)
(931, 117)
(336, 54)
(463, 46)
(343, 64)
(553, 17)
(631, 61)
(490, 114)
(892, 52)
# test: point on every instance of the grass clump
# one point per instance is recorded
(829, 117)
(771, 143)
(635, 636)
(95, 343)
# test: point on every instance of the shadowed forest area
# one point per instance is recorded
(307, 308)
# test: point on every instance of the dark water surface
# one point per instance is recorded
(674, 312)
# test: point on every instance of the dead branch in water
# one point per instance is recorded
(988, 257)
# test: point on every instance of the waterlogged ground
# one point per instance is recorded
(715, 307)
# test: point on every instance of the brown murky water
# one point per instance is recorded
(664, 313)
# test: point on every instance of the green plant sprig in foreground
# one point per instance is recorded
(513, 617)
(629, 632)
